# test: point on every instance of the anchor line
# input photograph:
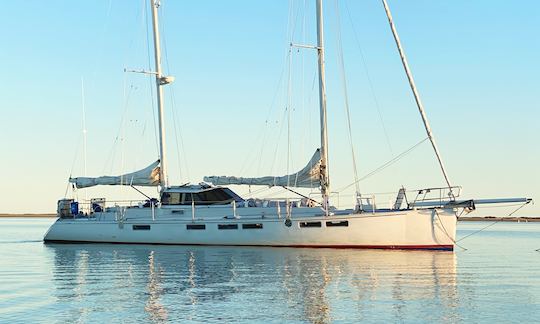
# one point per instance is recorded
(495, 222)
(446, 232)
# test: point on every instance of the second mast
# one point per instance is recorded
(160, 81)
(325, 180)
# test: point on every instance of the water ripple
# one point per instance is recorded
(149, 283)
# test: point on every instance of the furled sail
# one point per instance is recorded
(148, 176)
(308, 177)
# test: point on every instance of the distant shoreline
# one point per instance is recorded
(500, 219)
(27, 215)
(462, 219)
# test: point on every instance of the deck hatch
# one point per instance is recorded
(196, 226)
(252, 226)
(337, 224)
(141, 227)
(227, 226)
(310, 224)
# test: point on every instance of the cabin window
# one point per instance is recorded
(170, 198)
(310, 224)
(216, 196)
(227, 226)
(195, 226)
(337, 224)
(141, 227)
(252, 226)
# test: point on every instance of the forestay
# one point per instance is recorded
(148, 176)
(308, 177)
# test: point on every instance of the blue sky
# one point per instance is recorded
(475, 63)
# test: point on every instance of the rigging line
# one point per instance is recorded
(104, 29)
(111, 155)
(123, 127)
(177, 129)
(289, 85)
(140, 148)
(289, 104)
(251, 156)
(74, 161)
(67, 189)
(257, 191)
(278, 192)
(150, 81)
(178, 132)
(416, 95)
(112, 152)
(302, 58)
(293, 21)
(272, 105)
(266, 189)
(301, 195)
(446, 232)
(346, 96)
(495, 222)
(370, 83)
(98, 58)
(310, 101)
(85, 155)
(163, 37)
(277, 141)
(289, 94)
(289, 20)
(254, 193)
(280, 128)
(262, 134)
(387, 164)
(139, 191)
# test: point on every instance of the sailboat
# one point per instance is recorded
(210, 213)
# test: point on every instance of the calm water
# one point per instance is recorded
(496, 280)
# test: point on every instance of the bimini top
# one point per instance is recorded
(201, 194)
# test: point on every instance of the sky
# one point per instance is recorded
(244, 104)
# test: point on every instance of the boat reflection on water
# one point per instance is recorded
(164, 283)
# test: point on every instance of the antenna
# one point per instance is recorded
(84, 134)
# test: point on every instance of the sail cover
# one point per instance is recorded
(308, 177)
(148, 176)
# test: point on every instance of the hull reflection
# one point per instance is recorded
(169, 283)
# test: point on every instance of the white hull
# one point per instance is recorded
(412, 229)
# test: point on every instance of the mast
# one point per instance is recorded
(160, 81)
(325, 180)
(417, 96)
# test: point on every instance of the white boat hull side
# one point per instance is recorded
(408, 229)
